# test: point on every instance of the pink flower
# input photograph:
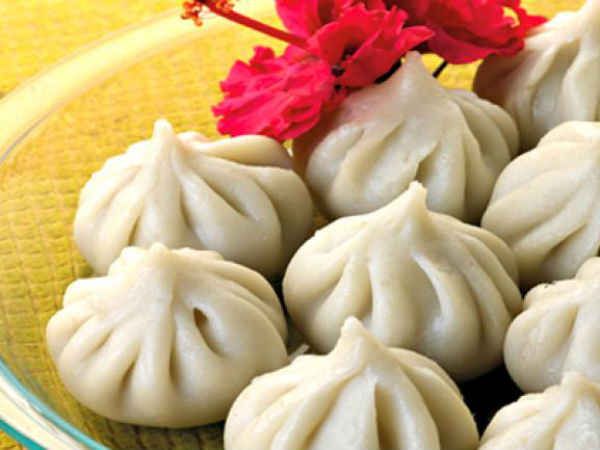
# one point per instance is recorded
(468, 30)
(305, 17)
(277, 96)
(362, 45)
(285, 96)
(337, 46)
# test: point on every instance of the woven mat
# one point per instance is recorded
(39, 185)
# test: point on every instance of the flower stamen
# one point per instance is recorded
(193, 10)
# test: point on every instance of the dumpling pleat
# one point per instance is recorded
(454, 432)
(352, 296)
(457, 324)
(395, 317)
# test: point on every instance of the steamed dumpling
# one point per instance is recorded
(556, 78)
(546, 204)
(235, 196)
(564, 417)
(559, 331)
(167, 338)
(362, 396)
(408, 128)
(416, 279)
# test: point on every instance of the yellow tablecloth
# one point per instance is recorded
(38, 187)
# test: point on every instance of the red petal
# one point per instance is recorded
(301, 17)
(277, 96)
(468, 30)
(305, 17)
(366, 43)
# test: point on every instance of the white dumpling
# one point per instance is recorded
(168, 338)
(237, 196)
(361, 396)
(564, 417)
(416, 279)
(546, 204)
(408, 128)
(555, 79)
(559, 331)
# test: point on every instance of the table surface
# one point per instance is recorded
(35, 36)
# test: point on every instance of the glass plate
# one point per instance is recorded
(56, 130)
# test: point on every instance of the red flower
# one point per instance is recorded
(468, 30)
(277, 96)
(305, 17)
(363, 45)
(337, 46)
(285, 96)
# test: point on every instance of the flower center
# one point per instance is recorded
(337, 71)
(349, 51)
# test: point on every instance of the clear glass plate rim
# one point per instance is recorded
(46, 412)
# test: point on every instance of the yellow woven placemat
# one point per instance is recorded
(39, 184)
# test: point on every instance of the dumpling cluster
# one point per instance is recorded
(408, 128)
(559, 331)
(555, 79)
(236, 196)
(564, 417)
(546, 204)
(416, 279)
(167, 338)
(185, 229)
(360, 396)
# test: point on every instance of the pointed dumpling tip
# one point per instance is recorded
(158, 248)
(353, 326)
(413, 63)
(412, 79)
(164, 140)
(159, 252)
(417, 192)
(356, 345)
(413, 199)
(163, 130)
(412, 58)
(353, 330)
(410, 206)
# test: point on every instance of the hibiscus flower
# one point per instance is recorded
(362, 45)
(469, 30)
(285, 96)
(338, 46)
